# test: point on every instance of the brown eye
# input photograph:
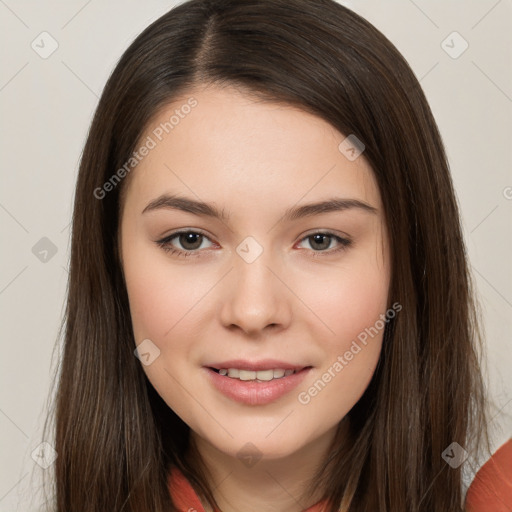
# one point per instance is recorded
(321, 243)
(188, 243)
(190, 240)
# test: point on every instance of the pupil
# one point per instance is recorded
(188, 238)
(320, 236)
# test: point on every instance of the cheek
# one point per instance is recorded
(163, 302)
(162, 296)
(151, 308)
(351, 305)
(349, 298)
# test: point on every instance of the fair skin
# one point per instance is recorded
(299, 301)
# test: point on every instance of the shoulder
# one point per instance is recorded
(491, 489)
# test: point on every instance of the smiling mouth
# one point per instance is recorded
(256, 375)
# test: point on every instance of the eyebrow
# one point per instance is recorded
(336, 204)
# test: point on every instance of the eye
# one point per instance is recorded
(320, 242)
(190, 240)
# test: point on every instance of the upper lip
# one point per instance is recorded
(262, 364)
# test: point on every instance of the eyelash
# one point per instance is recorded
(164, 243)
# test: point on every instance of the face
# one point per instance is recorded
(254, 281)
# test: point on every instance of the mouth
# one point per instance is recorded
(257, 375)
(255, 386)
(263, 370)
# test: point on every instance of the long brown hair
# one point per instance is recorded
(115, 437)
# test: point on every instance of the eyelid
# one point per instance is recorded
(185, 230)
(326, 231)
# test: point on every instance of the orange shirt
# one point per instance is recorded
(490, 490)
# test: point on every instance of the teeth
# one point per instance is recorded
(262, 375)
(246, 375)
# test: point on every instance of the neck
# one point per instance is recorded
(269, 485)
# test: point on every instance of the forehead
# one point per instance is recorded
(223, 144)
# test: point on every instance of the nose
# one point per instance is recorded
(256, 298)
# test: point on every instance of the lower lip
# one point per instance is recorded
(256, 393)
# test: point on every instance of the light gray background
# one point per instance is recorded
(47, 105)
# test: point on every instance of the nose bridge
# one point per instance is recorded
(255, 297)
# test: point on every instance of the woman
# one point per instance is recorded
(271, 371)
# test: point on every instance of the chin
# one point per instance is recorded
(253, 447)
